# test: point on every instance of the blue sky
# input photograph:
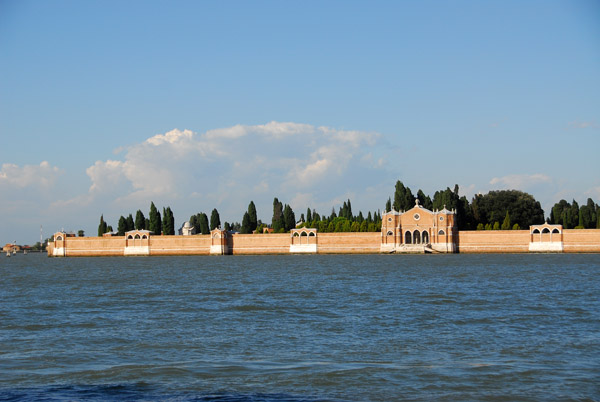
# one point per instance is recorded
(107, 105)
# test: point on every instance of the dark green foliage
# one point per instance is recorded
(277, 222)
(140, 220)
(496, 225)
(493, 206)
(168, 222)
(506, 222)
(215, 219)
(130, 223)
(308, 215)
(122, 226)
(388, 204)
(253, 219)
(102, 227)
(403, 197)
(289, 218)
(155, 224)
(200, 223)
(246, 225)
(424, 200)
(80, 233)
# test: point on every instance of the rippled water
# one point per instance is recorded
(301, 328)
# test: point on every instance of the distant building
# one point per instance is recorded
(187, 229)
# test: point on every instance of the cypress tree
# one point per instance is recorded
(122, 226)
(289, 219)
(155, 222)
(277, 222)
(168, 223)
(506, 223)
(308, 215)
(102, 228)
(140, 220)
(246, 225)
(130, 224)
(204, 227)
(252, 216)
(388, 205)
(215, 219)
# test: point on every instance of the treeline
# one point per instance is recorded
(504, 209)
(572, 216)
(155, 223)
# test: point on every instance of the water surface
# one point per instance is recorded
(301, 328)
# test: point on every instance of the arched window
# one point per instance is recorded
(390, 233)
(144, 237)
(546, 230)
(442, 233)
(555, 230)
(312, 234)
(536, 231)
(425, 237)
(296, 234)
(129, 237)
(137, 236)
(59, 238)
(407, 238)
(416, 237)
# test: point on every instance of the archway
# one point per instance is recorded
(425, 237)
(416, 237)
(407, 238)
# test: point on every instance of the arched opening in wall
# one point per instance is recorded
(555, 230)
(425, 237)
(416, 237)
(137, 240)
(312, 238)
(390, 233)
(407, 238)
(216, 236)
(546, 230)
(59, 238)
(536, 231)
(303, 238)
(441, 233)
(144, 237)
(130, 237)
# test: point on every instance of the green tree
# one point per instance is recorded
(493, 206)
(388, 205)
(140, 220)
(80, 233)
(424, 200)
(168, 222)
(481, 227)
(506, 223)
(122, 226)
(403, 197)
(102, 227)
(308, 215)
(277, 222)
(130, 223)
(155, 221)
(204, 226)
(246, 224)
(516, 227)
(289, 218)
(496, 225)
(252, 216)
(215, 219)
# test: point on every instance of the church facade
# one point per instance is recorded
(419, 230)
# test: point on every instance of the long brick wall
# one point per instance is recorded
(581, 240)
(493, 241)
(349, 243)
(485, 241)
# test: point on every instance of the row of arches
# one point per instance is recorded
(304, 237)
(545, 230)
(417, 237)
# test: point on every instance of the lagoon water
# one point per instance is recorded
(301, 328)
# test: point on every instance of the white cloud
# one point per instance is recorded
(43, 175)
(520, 181)
(233, 165)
